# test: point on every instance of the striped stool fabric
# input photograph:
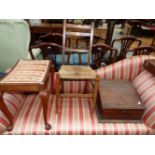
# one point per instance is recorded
(14, 102)
(75, 117)
(145, 85)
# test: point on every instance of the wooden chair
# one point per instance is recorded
(125, 43)
(52, 38)
(102, 53)
(57, 39)
(84, 42)
(143, 50)
(49, 51)
(78, 31)
(96, 39)
(75, 72)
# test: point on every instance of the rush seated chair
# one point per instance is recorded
(76, 72)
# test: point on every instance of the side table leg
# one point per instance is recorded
(57, 91)
(96, 91)
(5, 110)
(44, 100)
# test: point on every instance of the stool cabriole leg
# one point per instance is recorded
(44, 100)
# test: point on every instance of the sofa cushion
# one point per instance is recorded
(14, 103)
(145, 85)
(75, 117)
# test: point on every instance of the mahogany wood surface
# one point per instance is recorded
(119, 101)
(150, 66)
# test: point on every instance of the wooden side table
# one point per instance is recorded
(28, 76)
(83, 73)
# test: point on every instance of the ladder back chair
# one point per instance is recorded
(84, 42)
(77, 72)
(72, 30)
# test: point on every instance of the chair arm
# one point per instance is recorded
(31, 53)
(126, 52)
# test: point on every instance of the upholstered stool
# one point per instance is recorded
(28, 76)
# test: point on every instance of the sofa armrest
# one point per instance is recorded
(127, 68)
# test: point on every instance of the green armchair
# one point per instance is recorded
(14, 42)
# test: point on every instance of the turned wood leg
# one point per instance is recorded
(8, 114)
(61, 87)
(69, 55)
(85, 87)
(44, 100)
(57, 91)
(96, 91)
(79, 56)
(52, 77)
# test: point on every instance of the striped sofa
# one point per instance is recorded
(75, 114)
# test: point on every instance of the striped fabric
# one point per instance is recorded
(145, 85)
(126, 69)
(75, 117)
(70, 86)
(14, 103)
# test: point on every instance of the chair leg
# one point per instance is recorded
(52, 77)
(96, 91)
(57, 91)
(85, 87)
(80, 61)
(44, 100)
(8, 114)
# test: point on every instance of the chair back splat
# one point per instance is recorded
(102, 53)
(76, 31)
(144, 50)
(125, 44)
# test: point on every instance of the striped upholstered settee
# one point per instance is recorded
(75, 114)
